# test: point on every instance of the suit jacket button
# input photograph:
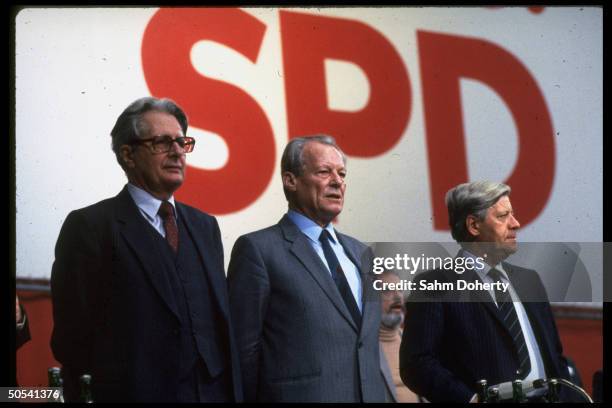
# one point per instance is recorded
(360, 344)
(518, 372)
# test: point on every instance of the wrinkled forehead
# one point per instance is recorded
(316, 153)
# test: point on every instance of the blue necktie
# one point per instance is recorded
(338, 276)
(508, 313)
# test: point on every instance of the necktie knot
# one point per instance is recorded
(166, 210)
(325, 236)
(495, 274)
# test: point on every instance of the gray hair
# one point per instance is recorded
(130, 126)
(471, 199)
(292, 160)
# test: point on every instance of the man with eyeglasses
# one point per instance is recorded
(138, 284)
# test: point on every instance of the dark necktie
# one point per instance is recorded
(338, 276)
(510, 318)
(167, 214)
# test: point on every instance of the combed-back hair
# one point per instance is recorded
(130, 124)
(471, 199)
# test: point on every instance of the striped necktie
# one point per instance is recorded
(510, 318)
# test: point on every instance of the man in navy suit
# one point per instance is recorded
(305, 313)
(138, 284)
(497, 335)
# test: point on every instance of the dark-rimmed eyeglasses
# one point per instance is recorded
(163, 144)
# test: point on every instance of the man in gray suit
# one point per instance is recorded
(306, 319)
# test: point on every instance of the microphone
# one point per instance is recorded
(507, 390)
(517, 390)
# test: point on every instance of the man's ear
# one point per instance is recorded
(127, 156)
(472, 224)
(289, 181)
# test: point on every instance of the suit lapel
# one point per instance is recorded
(208, 257)
(368, 309)
(136, 234)
(302, 250)
(530, 309)
(488, 304)
(536, 314)
(523, 290)
(536, 318)
(484, 298)
(521, 287)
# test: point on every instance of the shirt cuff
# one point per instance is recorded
(22, 323)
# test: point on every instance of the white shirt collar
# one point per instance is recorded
(148, 204)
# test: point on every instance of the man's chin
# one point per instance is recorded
(173, 183)
(330, 217)
(392, 320)
(504, 251)
(510, 246)
(332, 211)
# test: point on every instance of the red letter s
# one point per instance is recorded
(213, 105)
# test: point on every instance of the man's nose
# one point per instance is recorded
(176, 148)
(336, 179)
(514, 224)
